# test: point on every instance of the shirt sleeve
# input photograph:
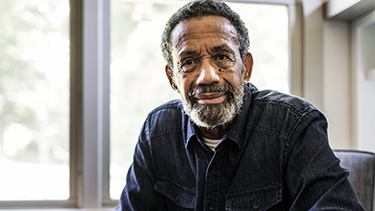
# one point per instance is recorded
(139, 193)
(314, 178)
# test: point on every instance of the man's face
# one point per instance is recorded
(208, 70)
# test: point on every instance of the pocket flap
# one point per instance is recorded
(254, 199)
(178, 194)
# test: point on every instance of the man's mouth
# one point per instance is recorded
(210, 98)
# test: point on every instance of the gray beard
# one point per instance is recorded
(213, 115)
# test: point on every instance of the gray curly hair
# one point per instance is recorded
(200, 8)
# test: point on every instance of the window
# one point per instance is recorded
(64, 92)
(138, 81)
(34, 100)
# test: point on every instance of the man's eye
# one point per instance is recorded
(187, 65)
(221, 57)
(188, 62)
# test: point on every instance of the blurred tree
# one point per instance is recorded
(25, 88)
(138, 81)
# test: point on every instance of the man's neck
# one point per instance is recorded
(214, 133)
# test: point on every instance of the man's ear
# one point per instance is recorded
(248, 62)
(169, 73)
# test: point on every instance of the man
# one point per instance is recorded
(226, 145)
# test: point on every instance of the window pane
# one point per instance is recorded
(269, 40)
(34, 99)
(138, 81)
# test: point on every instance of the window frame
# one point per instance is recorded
(89, 100)
(295, 40)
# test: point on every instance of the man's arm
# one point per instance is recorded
(314, 177)
(139, 193)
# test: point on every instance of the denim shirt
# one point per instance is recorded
(275, 156)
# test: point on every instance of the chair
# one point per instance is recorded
(362, 174)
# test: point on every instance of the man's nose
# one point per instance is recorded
(208, 74)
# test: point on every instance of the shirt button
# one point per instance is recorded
(210, 206)
(256, 205)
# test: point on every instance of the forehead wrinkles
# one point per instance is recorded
(185, 49)
(198, 29)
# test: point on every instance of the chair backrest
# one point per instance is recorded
(362, 174)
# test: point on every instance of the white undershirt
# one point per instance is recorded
(211, 143)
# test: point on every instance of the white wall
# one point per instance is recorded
(363, 55)
(312, 30)
(333, 83)
(336, 83)
(326, 71)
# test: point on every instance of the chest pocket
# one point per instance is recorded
(180, 198)
(258, 199)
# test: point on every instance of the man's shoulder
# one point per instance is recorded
(273, 99)
(166, 117)
(278, 113)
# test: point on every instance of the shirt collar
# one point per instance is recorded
(238, 129)
(190, 131)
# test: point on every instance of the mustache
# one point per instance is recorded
(226, 88)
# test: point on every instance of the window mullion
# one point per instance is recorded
(295, 49)
(91, 177)
(75, 148)
(106, 104)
